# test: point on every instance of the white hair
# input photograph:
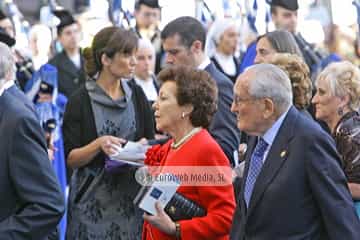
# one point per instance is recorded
(271, 82)
(43, 36)
(146, 43)
(343, 79)
(215, 32)
(7, 63)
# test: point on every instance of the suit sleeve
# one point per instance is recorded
(218, 201)
(223, 127)
(41, 201)
(329, 187)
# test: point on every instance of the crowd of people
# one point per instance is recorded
(281, 123)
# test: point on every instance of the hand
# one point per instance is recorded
(143, 141)
(109, 144)
(51, 150)
(161, 220)
(242, 151)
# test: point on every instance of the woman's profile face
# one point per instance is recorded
(326, 104)
(123, 65)
(264, 51)
(167, 110)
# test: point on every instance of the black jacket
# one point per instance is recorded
(70, 78)
(79, 127)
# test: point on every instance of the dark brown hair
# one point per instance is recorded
(189, 30)
(194, 87)
(282, 41)
(109, 41)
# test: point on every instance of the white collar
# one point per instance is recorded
(7, 85)
(204, 64)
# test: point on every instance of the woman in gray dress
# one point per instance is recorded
(105, 112)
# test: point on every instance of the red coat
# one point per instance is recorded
(219, 202)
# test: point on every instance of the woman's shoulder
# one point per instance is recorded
(133, 85)
(139, 94)
(203, 144)
(349, 126)
(79, 94)
(78, 102)
(205, 138)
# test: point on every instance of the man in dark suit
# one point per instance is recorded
(183, 41)
(31, 202)
(293, 187)
(69, 62)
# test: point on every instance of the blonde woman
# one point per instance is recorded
(337, 103)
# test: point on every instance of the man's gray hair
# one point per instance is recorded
(271, 82)
(7, 62)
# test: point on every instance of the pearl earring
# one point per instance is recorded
(183, 115)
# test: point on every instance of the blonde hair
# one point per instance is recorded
(344, 79)
(299, 74)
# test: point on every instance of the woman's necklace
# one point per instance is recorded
(185, 138)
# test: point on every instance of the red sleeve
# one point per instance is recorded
(219, 202)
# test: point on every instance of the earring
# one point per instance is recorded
(340, 111)
(183, 115)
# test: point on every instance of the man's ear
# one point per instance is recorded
(269, 108)
(196, 46)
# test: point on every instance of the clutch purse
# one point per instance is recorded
(181, 208)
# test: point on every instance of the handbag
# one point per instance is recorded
(182, 208)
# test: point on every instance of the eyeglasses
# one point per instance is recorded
(238, 99)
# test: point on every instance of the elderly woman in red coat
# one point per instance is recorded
(184, 108)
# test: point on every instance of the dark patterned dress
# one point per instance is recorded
(101, 203)
(347, 138)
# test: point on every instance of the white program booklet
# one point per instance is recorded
(132, 153)
(162, 190)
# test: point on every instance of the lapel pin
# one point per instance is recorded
(283, 153)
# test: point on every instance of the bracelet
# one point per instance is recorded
(177, 231)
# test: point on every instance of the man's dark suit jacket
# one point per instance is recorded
(31, 203)
(70, 78)
(223, 126)
(301, 191)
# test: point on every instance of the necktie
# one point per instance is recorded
(256, 163)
